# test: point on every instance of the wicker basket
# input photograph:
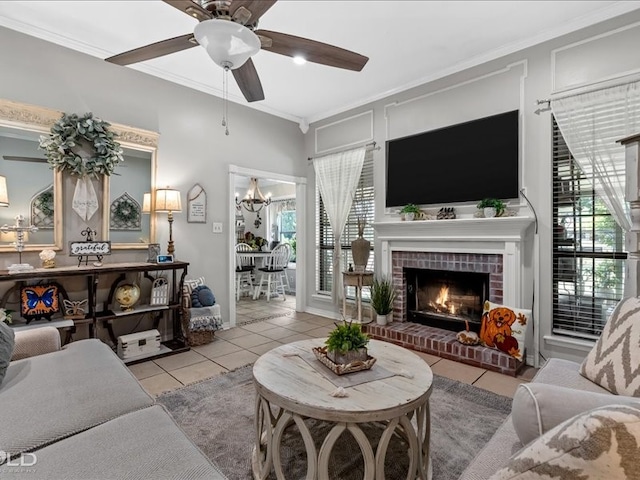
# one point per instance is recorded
(192, 338)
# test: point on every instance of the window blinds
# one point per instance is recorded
(588, 256)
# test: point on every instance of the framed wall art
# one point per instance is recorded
(197, 204)
(39, 301)
(153, 252)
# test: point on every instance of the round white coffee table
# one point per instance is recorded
(291, 389)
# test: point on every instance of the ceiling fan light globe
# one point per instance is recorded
(229, 44)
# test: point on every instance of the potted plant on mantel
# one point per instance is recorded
(347, 343)
(409, 212)
(382, 296)
(492, 207)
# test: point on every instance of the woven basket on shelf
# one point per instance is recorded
(194, 338)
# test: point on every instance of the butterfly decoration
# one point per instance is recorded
(74, 308)
(39, 301)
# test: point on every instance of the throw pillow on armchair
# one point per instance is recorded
(614, 361)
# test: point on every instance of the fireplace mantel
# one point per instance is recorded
(505, 236)
(499, 229)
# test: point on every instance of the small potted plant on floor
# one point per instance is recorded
(409, 212)
(347, 343)
(382, 296)
(492, 207)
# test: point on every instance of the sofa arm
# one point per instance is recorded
(539, 407)
(37, 341)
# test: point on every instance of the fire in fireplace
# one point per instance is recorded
(446, 299)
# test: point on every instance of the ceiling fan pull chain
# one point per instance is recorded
(225, 99)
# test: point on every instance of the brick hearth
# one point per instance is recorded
(443, 343)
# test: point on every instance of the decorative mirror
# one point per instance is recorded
(34, 189)
(127, 224)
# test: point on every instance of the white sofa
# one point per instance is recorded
(556, 372)
(78, 413)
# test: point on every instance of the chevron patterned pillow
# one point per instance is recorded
(614, 361)
(599, 444)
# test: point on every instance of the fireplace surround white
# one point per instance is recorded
(509, 237)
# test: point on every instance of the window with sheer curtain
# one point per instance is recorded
(589, 207)
(363, 206)
(588, 250)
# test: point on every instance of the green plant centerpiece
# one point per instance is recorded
(347, 343)
(383, 294)
(492, 207)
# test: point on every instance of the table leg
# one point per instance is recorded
(359, 302)
(344, 301)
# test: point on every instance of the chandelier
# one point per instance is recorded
(254, 200)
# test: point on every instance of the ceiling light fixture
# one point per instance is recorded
(298, 60)
(229, 45)
(254, 200)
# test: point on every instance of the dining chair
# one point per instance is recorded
(285, 273)
(244, 270)
(272, 273)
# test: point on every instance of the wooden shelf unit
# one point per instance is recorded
(107, 316)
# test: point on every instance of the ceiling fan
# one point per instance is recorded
(228, 31)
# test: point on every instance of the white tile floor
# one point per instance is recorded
(242, 345)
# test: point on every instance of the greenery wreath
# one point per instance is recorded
(45, 202)
(125, 212)
(70, 134)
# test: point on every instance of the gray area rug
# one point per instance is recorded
(268, 317)
(217, 414)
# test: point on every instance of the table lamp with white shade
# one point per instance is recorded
(168, 200)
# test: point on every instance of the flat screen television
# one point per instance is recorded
(460, 163)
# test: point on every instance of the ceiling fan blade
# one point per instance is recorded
(155, 50)
(313, 51)
(256, 7)
(24, 159)
(190, 8)
(247, 78)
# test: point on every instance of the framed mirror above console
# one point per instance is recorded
(128, 226)
(35, 190)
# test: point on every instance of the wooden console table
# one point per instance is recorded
(357, 280)
(106, 317)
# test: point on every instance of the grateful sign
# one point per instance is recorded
(78, 249)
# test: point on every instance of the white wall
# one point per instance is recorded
(192, 147)
(513, 82)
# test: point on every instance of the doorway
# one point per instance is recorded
(282, 221)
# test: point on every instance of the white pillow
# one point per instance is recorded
(613, 361)
(189, 285)
(505, 328)
(602, 444)
(187, 289)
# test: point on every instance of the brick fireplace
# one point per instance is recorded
(496, 249)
